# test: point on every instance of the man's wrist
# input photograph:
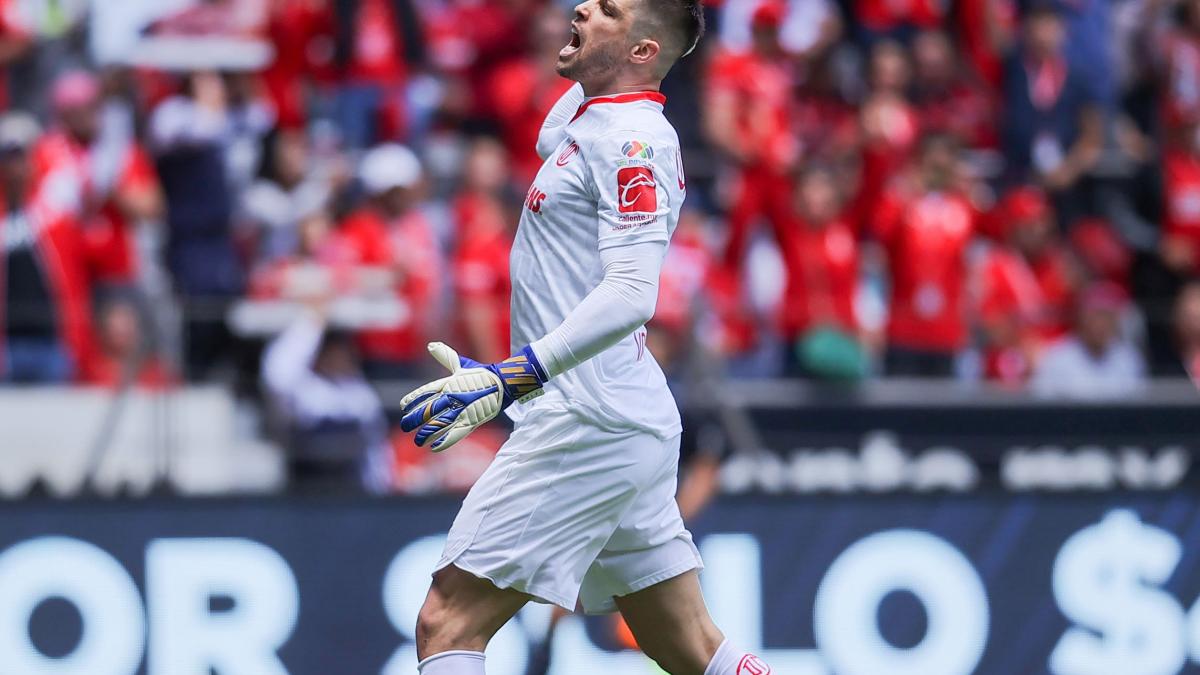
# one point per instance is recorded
(522, 375)
(536, 362)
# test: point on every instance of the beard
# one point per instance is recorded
(598, 62)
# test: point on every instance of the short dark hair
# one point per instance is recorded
(683, 21)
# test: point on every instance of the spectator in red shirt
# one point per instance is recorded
(925, 225)
(480, 259)
(110, 173)
(1180, 245)
(827, 124)
(985, 32)
(947, 99)
(302, 33)
(749, 119)
(377, 45)
(1034, 234)
(890, 125)
(125, 354)
(44, 321)
(1102, 253)
(392, 234)
(821, 257)
(1008, 304)
(1026, 286)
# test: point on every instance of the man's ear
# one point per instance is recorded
(644, 51)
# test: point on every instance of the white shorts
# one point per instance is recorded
(568, 511)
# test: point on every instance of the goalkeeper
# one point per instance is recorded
(579, 504)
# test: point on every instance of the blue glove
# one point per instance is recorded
(444, 411)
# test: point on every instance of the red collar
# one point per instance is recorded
(655, 96)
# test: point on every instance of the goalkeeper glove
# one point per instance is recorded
(444, 411)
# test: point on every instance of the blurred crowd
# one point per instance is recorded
(1000, 190)
(985, 189)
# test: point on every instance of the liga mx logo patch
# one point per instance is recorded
(638, 150)
(636, 190)
(752, 665)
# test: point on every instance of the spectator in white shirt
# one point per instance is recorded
(288, 191)
(1095, 361)
(331, 418)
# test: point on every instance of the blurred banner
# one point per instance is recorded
(898, 585)
(889, 447)
(181, 34)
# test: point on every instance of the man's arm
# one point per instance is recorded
(720, 126)
(287, 362)
(1083, 155)
(623, 300)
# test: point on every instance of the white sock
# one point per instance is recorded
(452, 663)
(729, 661)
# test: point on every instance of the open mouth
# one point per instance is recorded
(573, 45)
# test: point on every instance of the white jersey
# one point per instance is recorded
(614, 179)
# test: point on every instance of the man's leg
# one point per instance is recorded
(460, 615)
(672, 625)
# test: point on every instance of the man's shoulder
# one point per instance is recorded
(629, 147)
(617, 123)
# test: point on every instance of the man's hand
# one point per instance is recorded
(445, 411)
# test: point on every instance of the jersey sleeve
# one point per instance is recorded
(630, 175)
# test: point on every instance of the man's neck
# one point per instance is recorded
(616, 87)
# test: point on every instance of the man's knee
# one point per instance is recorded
(429, 619)
(435, 625)
(462, 612)
(443, 626)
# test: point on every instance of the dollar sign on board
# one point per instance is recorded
(1106, 581)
